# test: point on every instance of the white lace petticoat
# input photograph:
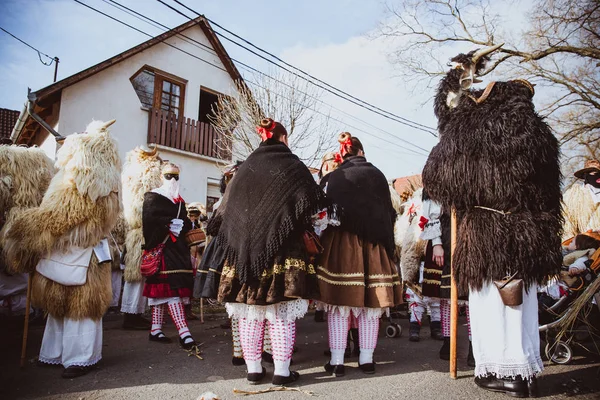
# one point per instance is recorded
(288, 311)
(345, 310)
(506, 341)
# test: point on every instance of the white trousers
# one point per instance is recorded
(71, 342)
(506, 341)
(133, 301)
(116, 278)
(418, 305)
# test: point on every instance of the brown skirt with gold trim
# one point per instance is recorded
(356, 273)
(291, 277)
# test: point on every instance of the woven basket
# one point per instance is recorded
(194, 237)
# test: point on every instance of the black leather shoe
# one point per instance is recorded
(445, 350)
(188, 345)
(255, 377)
(75, 371)
(279, 380)
(237, 361)
(368, 368)
(470, 358)
(159, 337)
(319, 316)
(136, 322)
(413, 332)
(337, 370)
(532, 387)
(512, 387)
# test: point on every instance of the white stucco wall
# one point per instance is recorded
(110, 95)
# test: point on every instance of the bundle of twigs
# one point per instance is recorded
(573, 312)
(272, 389)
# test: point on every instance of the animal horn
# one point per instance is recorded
(487, 50)
(152, 152)
(108, 123)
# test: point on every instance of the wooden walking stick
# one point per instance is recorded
(453, 298)
(26, 323)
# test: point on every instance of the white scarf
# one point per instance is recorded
(169, 189)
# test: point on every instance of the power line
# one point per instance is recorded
(252, 69)
(201, 59)
(40, 54)
(343, 122)
(147, 34)
(357, 101)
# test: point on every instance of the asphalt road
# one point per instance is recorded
(134, 368)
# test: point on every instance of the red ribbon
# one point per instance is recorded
(179, 199)
(344, 148)
(422, 222)
(266, 133)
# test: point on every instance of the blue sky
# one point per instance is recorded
(326, 38)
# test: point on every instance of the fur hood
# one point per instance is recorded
(580, 212)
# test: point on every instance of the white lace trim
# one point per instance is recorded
(53, 361)
(510, 369)
(289, 311)
(88, 363)
(345, 310)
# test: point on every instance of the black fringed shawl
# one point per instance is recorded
(272, 196)
(361, 201)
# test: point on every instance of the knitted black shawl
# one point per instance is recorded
(272, 196)
(361, 201)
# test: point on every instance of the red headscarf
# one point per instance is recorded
(345, 140)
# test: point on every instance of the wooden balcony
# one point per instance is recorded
(186, 134)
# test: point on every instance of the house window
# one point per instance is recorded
(159, 89)
(210, 202)
(208, 100)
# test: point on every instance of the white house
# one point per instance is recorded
(158, 94)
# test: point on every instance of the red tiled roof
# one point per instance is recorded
(8, 119)
(408, 183)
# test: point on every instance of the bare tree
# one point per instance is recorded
(288, 99)
(559, 51)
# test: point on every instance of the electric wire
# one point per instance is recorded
(252, 69)
(365, 104)
(192, 55)
(40, 54)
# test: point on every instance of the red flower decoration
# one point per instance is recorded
(422, 222)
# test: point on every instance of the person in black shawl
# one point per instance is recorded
(356, 271)
(165, 220)
(267, 274)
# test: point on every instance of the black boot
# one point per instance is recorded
(470, 358)
(413, 332)
(532, 386)
(319, 316)
(136, 322)
(436, 330)
(355, 343)
(514, 387)
(445, 350)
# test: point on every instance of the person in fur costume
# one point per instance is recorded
(165, 222)
(422, 291)
(357, 273)
(497, 165)
(581, 202)
(268, 275)
(116, 243)
(141, 174)
(67, 250)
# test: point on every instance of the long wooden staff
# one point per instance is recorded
(26, 323)
(453, 299)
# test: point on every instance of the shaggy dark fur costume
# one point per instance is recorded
(498, 154)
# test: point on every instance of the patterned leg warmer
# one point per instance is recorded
(445, 316)
(158, 319)
(235, 335)
(469, 322)
(283, 337)
(177, 312)
(338, 335)
(251, 337)
(368, 329)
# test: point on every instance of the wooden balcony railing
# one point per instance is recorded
(186, 134)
